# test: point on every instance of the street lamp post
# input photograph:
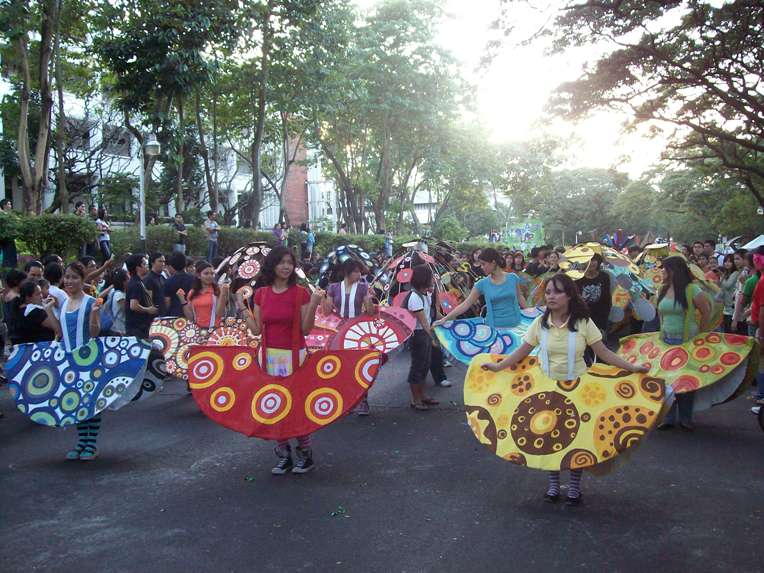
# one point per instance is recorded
(150, 148)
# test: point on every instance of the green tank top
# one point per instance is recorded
(676, 321)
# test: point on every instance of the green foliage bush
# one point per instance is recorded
(10, 225)
(162, 238)
(61, 234)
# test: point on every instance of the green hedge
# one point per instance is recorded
(44, 234)
(63, 234)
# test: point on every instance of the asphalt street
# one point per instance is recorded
(399, 491)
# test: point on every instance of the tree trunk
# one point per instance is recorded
(212, 191)
(180, 202)
(62, 194)
(256, 200)
(34, 177)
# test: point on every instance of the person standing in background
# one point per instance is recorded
(8, 245)
(154, 281)
(182, 233)
(139, 308)
(212, 228)
(104, 236)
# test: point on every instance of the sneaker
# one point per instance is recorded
(573, 501)
(444, 384)
(304, 462)
(285, 461)
(363, 407)
(447, 364)
(756, 410)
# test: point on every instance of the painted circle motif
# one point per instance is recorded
(271, 404)
(703, 353)
(366, 370)
(85, 355)
(685, 383)
(167, 337)
(222, 399)
(241, 361)
(674, 359)
(404, 275)
(578, 458)
(70, 400)
(544, 423)
(111, 358)
(249, 269)
(462, 330)
(619, 428)
(323, 406)
(730, 358)
(40, 384)
(521, 384)
(328, 367)
(367, 334)
(206, 368)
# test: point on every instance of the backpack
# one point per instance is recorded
(106, 315)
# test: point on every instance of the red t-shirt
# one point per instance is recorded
(757, 301)
(277, 313)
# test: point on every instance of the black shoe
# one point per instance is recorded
(664, 426)
(304, 462)
(285, 461)
(687, 427)
(549, 498)
(574, 500)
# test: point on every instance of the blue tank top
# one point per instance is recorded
(69, 321)
(501, 301)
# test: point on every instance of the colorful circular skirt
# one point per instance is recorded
(231, 389)
(712, 365)
(527, 418)
(175, 336)
(54, 387)
(468, 337)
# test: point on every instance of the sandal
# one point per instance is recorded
(430, 401)
(420, 406)
(89, 454)
(74, 454)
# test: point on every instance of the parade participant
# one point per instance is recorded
(563, 332)
(140, 309)
(419, 302)
(284, 312)
(79, 323)
(34, 317)
(154, 281)
(72, 382)
(206, 302)
(349, 298)
(594, 287)
(475, 265)
(500, 289)
(506, 319)
(677, 301)
(537, 267)
(729, 285)
(179, 280)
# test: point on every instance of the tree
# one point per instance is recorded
(694, 66)
(22, 22)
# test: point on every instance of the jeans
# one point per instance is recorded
(179, 248)
(212, 250)
(683, 403)
(105, 250)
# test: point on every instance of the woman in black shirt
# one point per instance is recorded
(33, 318)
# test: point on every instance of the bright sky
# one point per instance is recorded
(511, 95)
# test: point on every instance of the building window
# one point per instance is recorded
(78, 133)
(116, 140)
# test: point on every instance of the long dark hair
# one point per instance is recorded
(272, 259)
(679, 277)
(197, 287)
(514, 266)
(577, 307)
(725, 271)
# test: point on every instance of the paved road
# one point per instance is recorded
(398, 491)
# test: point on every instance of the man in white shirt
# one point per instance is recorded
(53, 273)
